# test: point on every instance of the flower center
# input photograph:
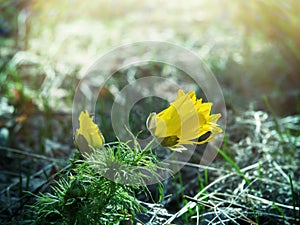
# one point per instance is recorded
(169, 141)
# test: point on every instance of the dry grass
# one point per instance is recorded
(267, 158)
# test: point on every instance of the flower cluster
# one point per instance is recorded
(184, 121)
(101, 188)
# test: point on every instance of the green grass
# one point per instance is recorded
(234, 165)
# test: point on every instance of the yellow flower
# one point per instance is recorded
(88, 136)
(185, 120)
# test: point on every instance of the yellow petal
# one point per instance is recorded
(90, 132)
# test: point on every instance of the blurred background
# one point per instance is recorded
(252, 47)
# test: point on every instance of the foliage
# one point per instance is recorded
(100, 189)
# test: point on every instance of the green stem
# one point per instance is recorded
(150, 145)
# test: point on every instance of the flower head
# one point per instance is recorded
(88, 136)
(186, 119)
